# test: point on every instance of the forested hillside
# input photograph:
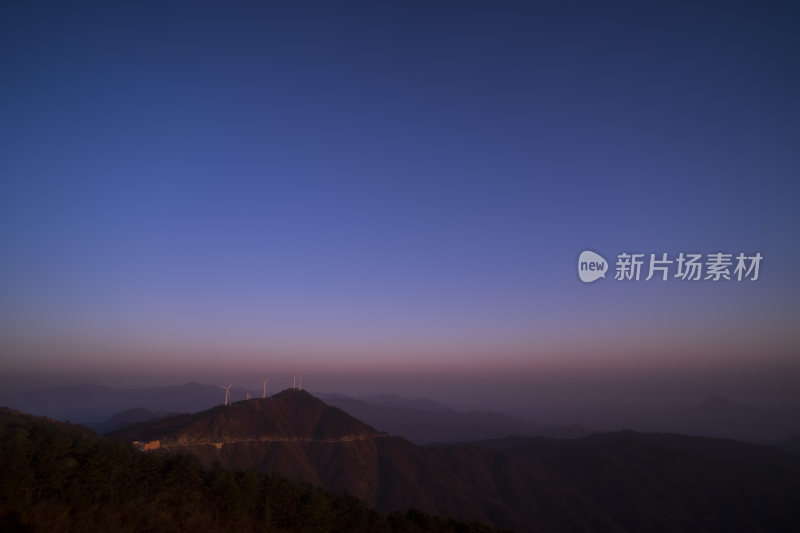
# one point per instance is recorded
(62, 477)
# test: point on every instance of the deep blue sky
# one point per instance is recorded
(392, 184)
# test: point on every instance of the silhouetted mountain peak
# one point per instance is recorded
(291, 414)
(295, 395)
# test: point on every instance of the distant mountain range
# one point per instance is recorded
(126, 418)
(424, 421)
(93, 403)
(623, 481)
(419, 420)
(713, 417)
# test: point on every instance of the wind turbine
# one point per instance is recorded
(265, 381)
(227, 392)
(294, 380)
(301, 381)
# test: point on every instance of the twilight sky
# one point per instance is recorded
(191, 190)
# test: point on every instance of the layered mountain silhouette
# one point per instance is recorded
(424, 421)
(126, 418)
(62, 477)
(623, 481)
(712, 417)
(94, 403)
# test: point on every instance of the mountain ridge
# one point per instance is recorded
(606, 482)
(423, 421)
(288, 415)
(62, 477)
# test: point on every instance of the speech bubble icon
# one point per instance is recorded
(591, 266)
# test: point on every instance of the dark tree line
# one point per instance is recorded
(59, 478)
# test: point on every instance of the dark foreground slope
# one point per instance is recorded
(60, 477)
(615, 482)
(652, 482)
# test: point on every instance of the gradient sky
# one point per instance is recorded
(189, 188)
